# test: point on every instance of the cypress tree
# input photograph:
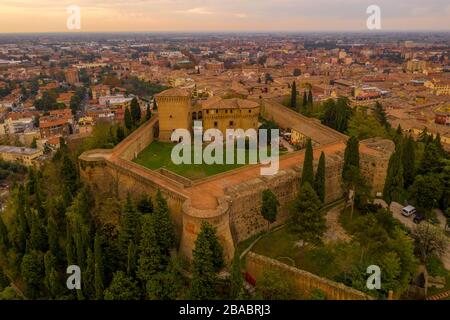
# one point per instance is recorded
(431, 160)
(294, 96)
(351, 158)
(308, 171)
(151, 258)
(120, 134)
(135, 112)
(409, 162)
(310, 98)
(305, 99)
(69, 179)
(236, 277)
(4, 241)
(32, 271)
(52, 281)
(130, 225)
(89, 276)
(205, 264)
(128, 119)
(380, 115)
(148, 113)
(131, 259)
(98, 269)
(319, 179)
(53, 239)
(269, 208)
(393, 186)
(163, 223)
(70, 250)
(38, 236)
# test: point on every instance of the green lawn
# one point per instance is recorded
(157, 155)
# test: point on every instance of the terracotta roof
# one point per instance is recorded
(174, 92)
(234, 103)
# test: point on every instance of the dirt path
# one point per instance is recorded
(335, 232)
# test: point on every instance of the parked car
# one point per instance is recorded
(418, 218)
(408, 211)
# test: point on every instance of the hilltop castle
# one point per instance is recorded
(230, 201)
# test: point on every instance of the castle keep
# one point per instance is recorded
(230, 201)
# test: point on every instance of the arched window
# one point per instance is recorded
(194, 115)
(199, 115)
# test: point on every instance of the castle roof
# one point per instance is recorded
(174, 92)
(234, 103)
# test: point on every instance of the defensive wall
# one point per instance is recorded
(302, 280)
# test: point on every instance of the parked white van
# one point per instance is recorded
(408, 211)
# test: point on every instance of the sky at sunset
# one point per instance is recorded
(224, 15)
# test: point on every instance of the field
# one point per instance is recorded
(158, 155)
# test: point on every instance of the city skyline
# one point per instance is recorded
(214, 16)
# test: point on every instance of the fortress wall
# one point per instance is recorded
(108, 177)
(288, 118)
(246, 199)
(304, 281)
(137, 141)
(218, 218)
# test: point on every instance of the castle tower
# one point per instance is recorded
(174, 110)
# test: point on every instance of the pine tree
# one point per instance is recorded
(294, 96)
(308, 171)
(122, 287)
(128, 119)
(135, 112)
(204, 264)
(409, 162)
(4, 281)
(308, 220)
(145, 205)
(269, 208)
(393, 186)
(99, 275)
(319, 179)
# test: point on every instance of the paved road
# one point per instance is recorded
(396, 209)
